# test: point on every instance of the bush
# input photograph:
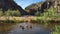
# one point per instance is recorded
(1, 13)
(12, 13)
(51, 12)
(37, 13)
(57, 30)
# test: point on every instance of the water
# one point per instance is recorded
(16, 29)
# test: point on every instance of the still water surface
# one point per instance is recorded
(16, 29)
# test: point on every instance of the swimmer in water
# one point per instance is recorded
(22, 27)
(28, 25)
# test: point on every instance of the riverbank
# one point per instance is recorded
(32, 19)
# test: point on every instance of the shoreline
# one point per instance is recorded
(32, 19)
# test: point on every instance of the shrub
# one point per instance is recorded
(1, 13)
(12, 13)
(51, 12)
(57, 30)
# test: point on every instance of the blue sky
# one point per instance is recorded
(25, 3)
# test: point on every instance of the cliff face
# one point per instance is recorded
(45, 5)
(41, 6)
(10, 4)
(31, 10)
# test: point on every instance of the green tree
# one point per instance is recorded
(12, 13)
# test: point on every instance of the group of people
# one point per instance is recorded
(26, 25)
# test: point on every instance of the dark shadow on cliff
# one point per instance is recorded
(11, 5)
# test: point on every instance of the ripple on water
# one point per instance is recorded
(36, 29)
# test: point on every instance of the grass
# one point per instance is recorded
(33, 19)
(49, 16)
(57, 30)
(10, 13)
(11, 19)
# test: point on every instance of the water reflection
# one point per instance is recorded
(5, 27)
(25, 28)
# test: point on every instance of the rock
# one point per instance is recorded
(10, 4)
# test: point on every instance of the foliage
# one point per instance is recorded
(51, 12)
(12, 13)
(50, 15)
(34, 6)
(30, 6)
(57, 30)
(37, 13)
(1, 13)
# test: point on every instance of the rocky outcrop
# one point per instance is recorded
(10, 4)
(45, 5)
(41, 6)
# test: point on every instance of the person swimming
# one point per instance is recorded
(22, 27)
(26, 25)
